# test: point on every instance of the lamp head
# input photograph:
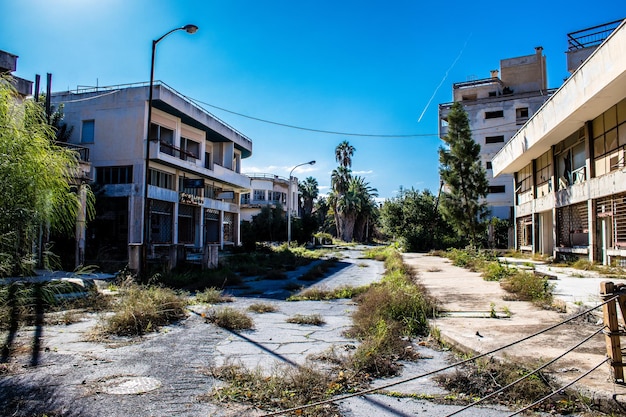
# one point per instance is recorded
(190, 28)
(312, 163)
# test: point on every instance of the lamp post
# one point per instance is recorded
(146, 209)
(289, 201)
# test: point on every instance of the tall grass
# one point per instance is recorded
(387, 312)
(143, 309)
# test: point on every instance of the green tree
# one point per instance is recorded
(463, 200)
(367, 211)
(309, 191)
(413, 219)
(343, 154)
(35, 181)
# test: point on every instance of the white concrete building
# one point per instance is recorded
(268, 190)
(568, 159)
(194, 170)
(497, 107)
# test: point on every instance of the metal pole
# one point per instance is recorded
(289, 198)
(146, 208)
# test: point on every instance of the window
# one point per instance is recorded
(469, 97)
(186, 224)
(494, 139)
(488, 164)
(211, 191)
(521, 112)
(494, 114)
(161, 221)
(245, 198)
(87, 133)
(543, 168)
(493, 93)
(183, 189)
(496, 189)
(114, 175)
(524, 179)
(163, 135)
(521, 115)
(161, 179)
(259, 195)
(207, 160)
(191, 149)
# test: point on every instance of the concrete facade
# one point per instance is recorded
(267, 190)
(568, 163)
(497, 107)
(195, 170)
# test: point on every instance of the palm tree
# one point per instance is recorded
(367, 206)
(343, 154)
(309, 191)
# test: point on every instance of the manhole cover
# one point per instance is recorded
(128, 385)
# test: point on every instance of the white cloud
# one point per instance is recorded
(370, 171)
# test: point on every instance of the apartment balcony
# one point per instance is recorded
(83, 159)
(175, 157)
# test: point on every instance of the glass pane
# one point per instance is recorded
(621, 111)
(598, 126)
(611, 140)
(610, 118)
(598, 146)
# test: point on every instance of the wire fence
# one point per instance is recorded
(379, 389)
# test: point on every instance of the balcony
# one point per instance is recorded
(178, 158)
(176, 152)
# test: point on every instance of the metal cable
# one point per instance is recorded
(528, 407)
(545, 365)
(482, 355)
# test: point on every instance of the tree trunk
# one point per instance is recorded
(348, 227)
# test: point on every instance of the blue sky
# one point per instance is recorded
(359, 67)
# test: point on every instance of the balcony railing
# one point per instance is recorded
(83, 152)
(176, 152)
(592, 36)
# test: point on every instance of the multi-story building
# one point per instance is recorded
(497, 107)
(568, 159)
(194, 179)
(8, 65)
(266, 190)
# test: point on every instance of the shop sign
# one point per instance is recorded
(190, 199)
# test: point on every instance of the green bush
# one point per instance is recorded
(495, 271)
(527, 286)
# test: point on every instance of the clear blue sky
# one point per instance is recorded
(363, 67)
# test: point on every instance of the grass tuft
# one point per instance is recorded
(310, 319)
(230, 319)
(212, 296)
(263, 308)
(141, 310)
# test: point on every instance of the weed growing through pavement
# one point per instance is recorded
(287, 387)
(143, 309)
(212, 296)
(320, 293)
(230, 319)
(309, 319)
(262, 308)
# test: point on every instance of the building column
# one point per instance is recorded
(222, 229)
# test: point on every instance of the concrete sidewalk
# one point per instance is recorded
(469, 327)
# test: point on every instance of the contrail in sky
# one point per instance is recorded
(444, 78)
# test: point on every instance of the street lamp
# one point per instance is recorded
(146, 209)
(289, 201)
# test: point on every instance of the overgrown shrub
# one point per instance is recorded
(386, 312)
(143, 309)
(526, 286)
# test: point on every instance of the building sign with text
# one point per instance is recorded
(185, 198)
